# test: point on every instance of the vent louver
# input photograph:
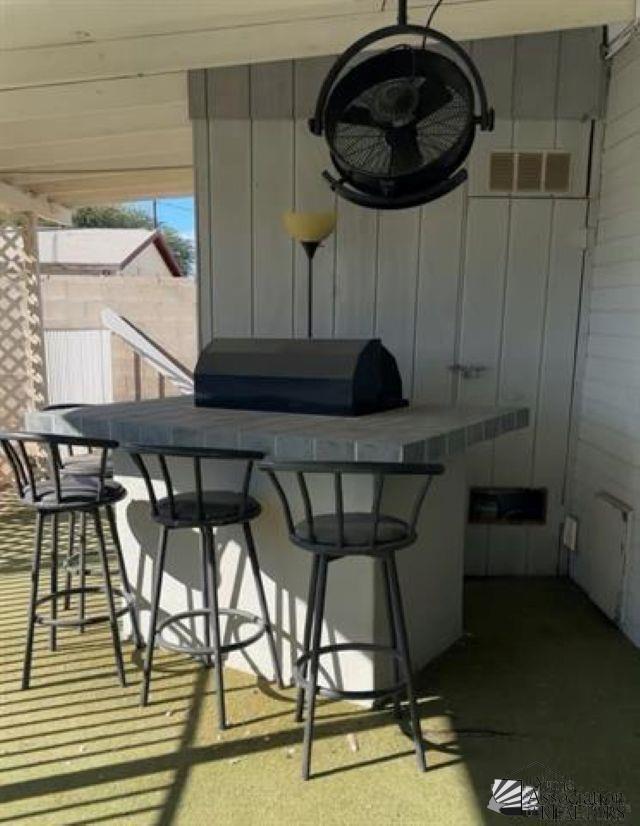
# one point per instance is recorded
(557, 176)
(502, 172)
(528, 172)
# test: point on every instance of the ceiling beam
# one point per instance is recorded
(17, 200)
(80, 190)
(113, 122)
(33, 180)
(286, 38)
(94, 151)
(88, 98)
(127, 193)
(116, 182)
(71, 21)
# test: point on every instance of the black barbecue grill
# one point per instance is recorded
(338, 377)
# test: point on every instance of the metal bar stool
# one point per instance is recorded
(43, 486)
(204, 510)
(336, 535)
(82, 464)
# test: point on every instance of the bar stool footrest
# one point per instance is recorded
(346, 694)
(199, 650)
(92, 620)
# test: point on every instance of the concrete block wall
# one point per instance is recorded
(163, 308)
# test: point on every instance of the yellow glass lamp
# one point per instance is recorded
(310, 228)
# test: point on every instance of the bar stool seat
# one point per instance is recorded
(220, 507)
(75, 494)
(357, 531)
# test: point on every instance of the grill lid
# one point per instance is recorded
(347, 377)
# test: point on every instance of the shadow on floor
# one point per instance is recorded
(542, 677)
(539, 676)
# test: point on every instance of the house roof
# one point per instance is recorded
(105, 248)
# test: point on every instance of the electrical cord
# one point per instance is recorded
(432, 14)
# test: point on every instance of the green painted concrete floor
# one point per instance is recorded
(539, 676)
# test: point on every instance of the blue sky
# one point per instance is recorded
(176, 212)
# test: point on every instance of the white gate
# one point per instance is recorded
(79, 366)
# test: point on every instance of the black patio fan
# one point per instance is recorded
(401, 123)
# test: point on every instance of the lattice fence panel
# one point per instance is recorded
(22, 366)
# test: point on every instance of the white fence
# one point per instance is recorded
(79, 366)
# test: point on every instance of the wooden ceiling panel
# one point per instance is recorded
(284, 29)
(91, 88)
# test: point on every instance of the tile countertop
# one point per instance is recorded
(410, 434)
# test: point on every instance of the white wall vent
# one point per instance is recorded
(547, 172)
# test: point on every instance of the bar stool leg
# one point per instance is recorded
(35, 576)
(115, 632)
(72, 532)
(83, 565)
(206, 590)
(403, 647)
(153, 619)
(53, 631)
(312, 680)
(393, 639)
(113, 528)
(306, 639)
(213, 601)
(255, 568)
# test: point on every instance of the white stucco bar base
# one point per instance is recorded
(431, 571)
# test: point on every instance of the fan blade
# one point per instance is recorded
(357, 116)
(405, 152)
(433, 96)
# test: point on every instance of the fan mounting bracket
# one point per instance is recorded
(402, 12)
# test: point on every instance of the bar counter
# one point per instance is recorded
(431, 571)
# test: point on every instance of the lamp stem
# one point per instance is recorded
(310, 298)
(310, 248)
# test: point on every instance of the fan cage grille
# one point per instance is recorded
(365, 148)
(400, 120)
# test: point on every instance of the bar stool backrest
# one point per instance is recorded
(143, 454)
(379, 470)
(36, 463)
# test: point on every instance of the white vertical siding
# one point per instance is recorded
(480, 334)
(470, 278)
(606, 454)
(438, 297)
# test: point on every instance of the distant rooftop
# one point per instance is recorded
(99, 248)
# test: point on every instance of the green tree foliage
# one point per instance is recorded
(131, 218)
